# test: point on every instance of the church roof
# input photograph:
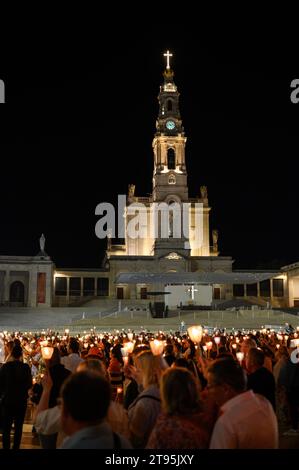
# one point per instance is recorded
(196, 277)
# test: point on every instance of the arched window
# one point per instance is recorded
(169, 105)
(17, 292)
(171, 159)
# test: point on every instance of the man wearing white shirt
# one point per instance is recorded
(72, 361)
(246, 419)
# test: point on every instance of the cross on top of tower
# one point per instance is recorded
(167, 55)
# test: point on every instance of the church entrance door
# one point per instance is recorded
(120, 293)
(217, 293)
(17, 293)
(143, 293)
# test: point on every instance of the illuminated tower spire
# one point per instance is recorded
(170, 176)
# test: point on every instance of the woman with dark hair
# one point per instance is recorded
(58, 375)
(115, 370)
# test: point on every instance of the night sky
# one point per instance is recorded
(78, 128)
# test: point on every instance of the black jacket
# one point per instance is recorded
(15, 381)
(262, 381)
(58, 375)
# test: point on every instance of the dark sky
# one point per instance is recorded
(78, 128)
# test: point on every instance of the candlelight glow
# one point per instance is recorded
(157, 347)
(128, 347)
(47, 352)
(195, 333)
(240, 356)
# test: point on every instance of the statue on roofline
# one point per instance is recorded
(131, 190)
(203, 192)
(215, 235)
(42, 242)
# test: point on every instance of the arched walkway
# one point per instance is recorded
(17, 292)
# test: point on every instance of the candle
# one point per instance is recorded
(126, 360)
(47, 352)
(156, 347)
(240, 356)
(195, 333)
(128, 347)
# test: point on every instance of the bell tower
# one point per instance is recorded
(170, 176)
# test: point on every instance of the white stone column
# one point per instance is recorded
(271, 292)
(6, 286)
(32, 288)
(68, 290)
(133, 290)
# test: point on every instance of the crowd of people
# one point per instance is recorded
(126, 389)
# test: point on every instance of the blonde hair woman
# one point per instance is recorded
(182, 423)
(144, 410)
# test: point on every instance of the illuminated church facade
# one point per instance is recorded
(153, 263)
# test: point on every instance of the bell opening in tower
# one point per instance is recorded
(171, 159)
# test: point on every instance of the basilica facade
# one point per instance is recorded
(158, 261)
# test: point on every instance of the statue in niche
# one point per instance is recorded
(204, 192)
(131, 191)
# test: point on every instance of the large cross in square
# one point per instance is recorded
(192, 291)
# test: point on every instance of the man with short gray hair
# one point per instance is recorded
(246, 420)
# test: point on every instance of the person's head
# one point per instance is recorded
(55, 359)
(282, 352)
(116, 353)
(181, 362)
(255, 359)
(179, 391)
(247, 344)
(150, 366)
(85, 401)
(168, 350)
(93, 365)
(226, 379)
(73, 347)
(17, 351)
